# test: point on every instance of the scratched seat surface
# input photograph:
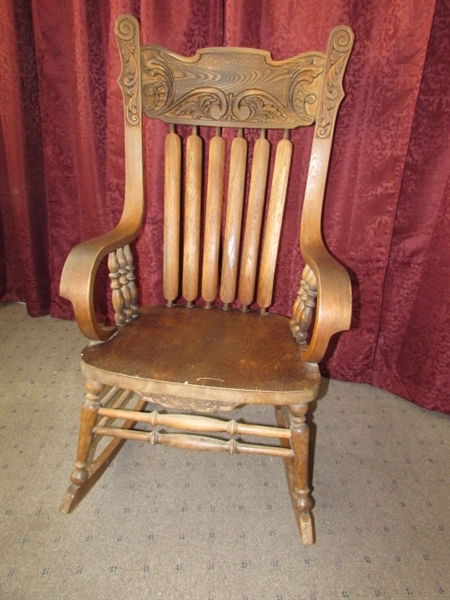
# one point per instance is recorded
(243, 357)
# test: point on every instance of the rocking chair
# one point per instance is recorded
(215, 345)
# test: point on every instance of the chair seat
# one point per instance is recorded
(210, 355)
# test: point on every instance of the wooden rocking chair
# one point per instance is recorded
(210, 349)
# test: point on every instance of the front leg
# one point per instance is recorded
(300, 490)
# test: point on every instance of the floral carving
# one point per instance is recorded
(203, 103)
(188, 403)
(157, 81)
(341, 44)
(303, 89)
(127, 34)
(206, 89)
(258, 107)
(253, 106)
(177, 89)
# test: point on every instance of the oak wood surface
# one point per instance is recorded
(213, 218)
(272, 232)
(231, 87)
(233, 224)
(199, 423)
(216, 354)
(80, 269)
(76, 493)
(253, 223)
(186, 357)
(172, 192)
(193, 197)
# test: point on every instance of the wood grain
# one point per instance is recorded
(193, 442)
(192, 213)
(253, 222)
(80, 270)
(172, 192)
(272, 231)
(215, 354)
(231, 87)
(197, 423)
(213, 218)
(233, 223)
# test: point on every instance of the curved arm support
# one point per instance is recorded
(332, 282)
(78, 277)
(333, 306)
(334, 302)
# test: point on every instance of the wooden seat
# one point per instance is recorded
(215, 357)
(215, 345)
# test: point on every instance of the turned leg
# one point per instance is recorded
(88, 419)
(87, 470)
(80, 472)
(300, 493)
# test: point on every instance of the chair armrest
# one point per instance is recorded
(333, 304)
(78, 277)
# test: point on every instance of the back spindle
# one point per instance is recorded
(214, 200)
(274, 221)
(233, 223)
(253, 222)
(191, 247)
(172, 190)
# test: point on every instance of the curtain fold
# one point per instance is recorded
(24, 210)
(413, 346)
(387, 211)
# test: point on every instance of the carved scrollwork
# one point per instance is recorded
(303, 89)
(341, 42)
(188, 403)
(218, 86)
(252, 106)
(127, 34)
(204, 103)
(258, 107)
(157, 81)
(215, 85)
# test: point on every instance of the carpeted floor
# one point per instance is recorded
(169, 524)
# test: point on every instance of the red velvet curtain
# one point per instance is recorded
(387, 208)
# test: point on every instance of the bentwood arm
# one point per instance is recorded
(325, 283)
(78, 277)
(333, 303)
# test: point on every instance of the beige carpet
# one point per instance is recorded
(169, 524)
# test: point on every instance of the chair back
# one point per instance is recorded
(222, 231)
